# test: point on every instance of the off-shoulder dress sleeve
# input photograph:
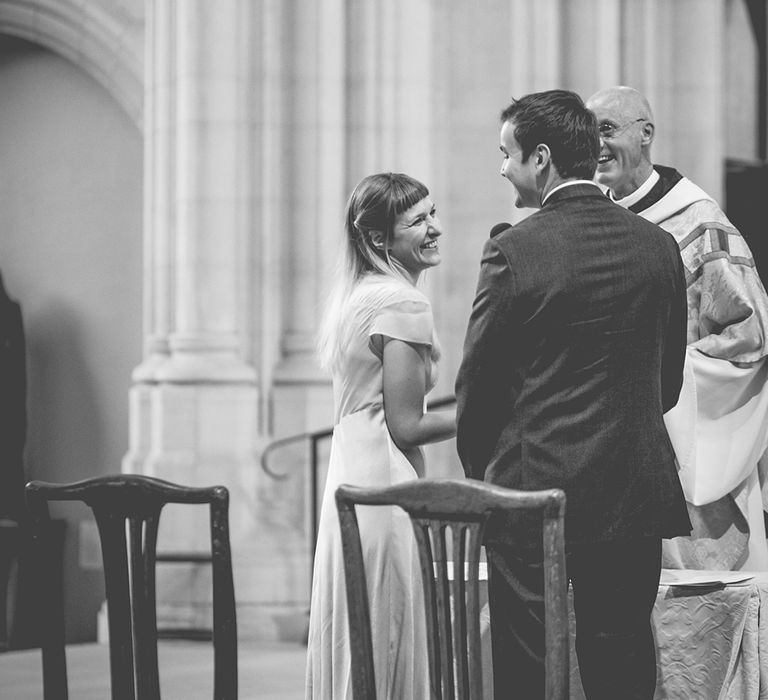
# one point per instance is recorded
(406, 316)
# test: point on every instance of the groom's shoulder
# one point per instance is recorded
(530, 226)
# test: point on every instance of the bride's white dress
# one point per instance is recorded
(363, 453)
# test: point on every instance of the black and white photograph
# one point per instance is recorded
(383, 349)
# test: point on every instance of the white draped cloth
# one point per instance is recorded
(719, 430)
(719, 427)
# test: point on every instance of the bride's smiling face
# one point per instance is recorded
(414, 238)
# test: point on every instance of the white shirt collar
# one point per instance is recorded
(639, 193)
(565, 184)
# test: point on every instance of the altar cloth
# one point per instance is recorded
(710, 640)
(711, 633)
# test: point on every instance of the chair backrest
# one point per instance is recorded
(127, 511)
(452, 601)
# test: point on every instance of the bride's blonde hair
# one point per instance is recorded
(373, 206)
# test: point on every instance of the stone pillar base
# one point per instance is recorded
(204, 435)
(285, 623)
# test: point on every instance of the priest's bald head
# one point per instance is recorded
(626, 127)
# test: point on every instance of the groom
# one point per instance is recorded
(574, 351)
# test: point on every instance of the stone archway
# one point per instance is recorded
(105, 40)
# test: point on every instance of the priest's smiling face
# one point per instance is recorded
(625, 138)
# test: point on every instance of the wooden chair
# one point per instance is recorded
(10, 546)
(453, 601)
(127, 511)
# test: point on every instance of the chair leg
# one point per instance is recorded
(52, 609)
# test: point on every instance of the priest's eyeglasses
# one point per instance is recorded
(608, 130)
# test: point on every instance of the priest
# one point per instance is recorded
(719, 428)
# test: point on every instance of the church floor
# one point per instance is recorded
(267, 671)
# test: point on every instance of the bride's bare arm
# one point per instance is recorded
(404, 386)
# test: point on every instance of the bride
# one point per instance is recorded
(378, 341)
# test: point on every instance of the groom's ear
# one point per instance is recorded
(542, 155)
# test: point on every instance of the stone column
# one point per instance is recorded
(159, 224)
(198, 229)
(195, 401)
(316, 154)
(212, 193)
(690, 116)
(592, 44)
(673, 53)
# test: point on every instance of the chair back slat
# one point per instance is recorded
(127, 510)
(440, 550)
(149, 616)
(459, 601)
(452, 598)
(144, 620)
(472, 637)
(117, 587)
(427, 566)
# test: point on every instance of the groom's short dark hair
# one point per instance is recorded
(559, 119)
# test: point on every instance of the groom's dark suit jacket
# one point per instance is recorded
(574, 350)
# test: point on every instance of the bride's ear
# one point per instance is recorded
(377, 239)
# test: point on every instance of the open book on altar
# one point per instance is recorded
(669, 577)
(694, 577)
